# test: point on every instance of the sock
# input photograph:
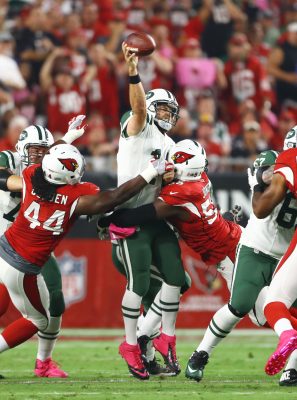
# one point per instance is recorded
(3, 344)
(47, 339)
(169, 300)
(292, 362)
(150, 351)
(282, 325)
(220, 326)
(275, 311)
(19, 332)
(151, 323)
(4, 299)
(131, 310)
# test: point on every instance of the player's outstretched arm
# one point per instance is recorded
(107, 200)
(264, 203)
(141, 215)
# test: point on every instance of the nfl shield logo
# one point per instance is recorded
(74, 277)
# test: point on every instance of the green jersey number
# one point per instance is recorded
(287, 215)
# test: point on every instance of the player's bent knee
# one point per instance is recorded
(236, 311)
(57, 303)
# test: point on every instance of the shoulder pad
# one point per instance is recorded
(266, 159)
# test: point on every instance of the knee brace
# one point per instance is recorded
(57, 303)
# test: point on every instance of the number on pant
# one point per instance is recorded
(287, 215)
(53, 223)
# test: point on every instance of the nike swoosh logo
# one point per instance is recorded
(173, 192)
(192, 370)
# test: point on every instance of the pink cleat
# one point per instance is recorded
(48, 369)
(286, 345)
(132, 355)
(166, 346)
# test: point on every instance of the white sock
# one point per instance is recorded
(3, 344)
(220, 326)
(150, 351)
(151, 323)
(47, 339)
(169, 301)
(131, 310)
(292, 363)
(282, 325)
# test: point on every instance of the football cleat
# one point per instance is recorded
(132, 355)
(166, 346)
(156, 369)
(288, 378)
(196, 365)
(286, 345)
(48, 369)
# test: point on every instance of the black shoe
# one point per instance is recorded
(288, 378)
(143, 341)
(156, 369)
(196, 365)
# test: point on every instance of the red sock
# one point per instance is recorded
(4, 300)
(18, 332)
(275, 311)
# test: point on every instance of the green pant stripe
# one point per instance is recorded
(155, 311)
(169, 304)
(129, 266)
(131, 316)
(215, 333)
(130, 309)
(219, 329)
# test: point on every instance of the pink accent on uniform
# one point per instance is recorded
(286, 345)
(48, 369)
(132, 355)
(120, 233)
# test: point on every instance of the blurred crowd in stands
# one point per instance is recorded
(231, 64)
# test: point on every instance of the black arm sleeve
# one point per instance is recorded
(130, 217)
(4, 175)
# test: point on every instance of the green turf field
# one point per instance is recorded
(97, 371)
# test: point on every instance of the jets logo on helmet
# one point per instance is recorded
(181, 157)
(189, 159)
(69, 163)
(290, 141)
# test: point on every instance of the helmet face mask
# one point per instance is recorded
(34, 136)
(189, 160)
(63, 165)
(290, 141)
(163, 105)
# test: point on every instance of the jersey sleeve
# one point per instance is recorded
(88, 188)
(175, 195)
(7, 160)
(286, 165)
(124, 122)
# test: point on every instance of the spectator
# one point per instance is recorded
(183, 128)
(15, 126)
(282, 64)
(247, 78)
(270, 32)
(286, 121)
(247, 146)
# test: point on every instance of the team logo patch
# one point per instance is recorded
(181, 157)
(74, 277)
(69, 163)
(23, 135)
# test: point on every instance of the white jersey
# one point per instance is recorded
(9, 202)
(134, 154)
(272, 235)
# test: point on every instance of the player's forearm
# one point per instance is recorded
(14, 183)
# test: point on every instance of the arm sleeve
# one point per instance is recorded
(130, 217)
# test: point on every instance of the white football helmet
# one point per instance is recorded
(33, 135)
(63, 164)
(290, 141)
(189, 160)
(158, 97)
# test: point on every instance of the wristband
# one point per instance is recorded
(134, 79)
(149, 173)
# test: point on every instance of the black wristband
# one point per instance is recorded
(4, 175)
(134, 79)
(259, 188)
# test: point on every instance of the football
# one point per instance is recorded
(141, 43)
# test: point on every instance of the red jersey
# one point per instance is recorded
(206, 232)
(41, 225)
(286, 165)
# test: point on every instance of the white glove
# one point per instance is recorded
(252, 179)
(73, 134)
(155, 168)
(76, 122)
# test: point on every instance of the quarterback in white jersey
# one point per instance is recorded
(144, 137)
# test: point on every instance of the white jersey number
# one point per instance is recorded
(209, 211)
(32, 214)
